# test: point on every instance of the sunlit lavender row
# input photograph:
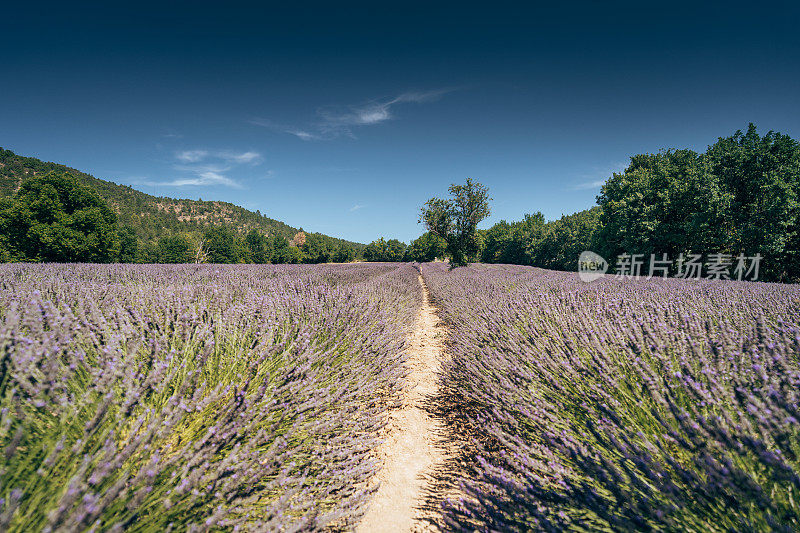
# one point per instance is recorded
(661, 405)
(146, 398)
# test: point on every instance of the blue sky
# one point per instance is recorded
(344, 119)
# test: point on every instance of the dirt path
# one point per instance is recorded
(413, 445)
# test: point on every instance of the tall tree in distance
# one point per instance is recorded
(456, 220)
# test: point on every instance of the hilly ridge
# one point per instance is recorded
(152, 217)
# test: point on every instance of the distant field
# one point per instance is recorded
(254, 398)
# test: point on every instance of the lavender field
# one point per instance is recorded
(253, 398)
(629, 405)
(150, 398)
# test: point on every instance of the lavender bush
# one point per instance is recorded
(151, 398)
(661, 405)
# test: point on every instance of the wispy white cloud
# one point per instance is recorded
(339, 121)
(202, 179)
(356, 207)
(197, 176)
(264, 123)
(595, 180)
(596, 184)
(376, 111)
(240, 158)
(204, 168)
(191, 156)
(304, 135)
(195, 156)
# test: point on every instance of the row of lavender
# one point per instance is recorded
(660, 405)
(148, 398)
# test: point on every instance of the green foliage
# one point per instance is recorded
(385, 251)
(259, 247)
(291, 255)
(54, 218)
(496, 240)
(175, 249)
(344, 254)
(532, 241)
(741, 196)
(510, 243)
(564, 239)
(760, 182)
(456, 220)
(659, 204)
(128, 246)
(283, 252)
(220, 245)
(152, 218)
(315, 250)
(426, 248)
(395, 250)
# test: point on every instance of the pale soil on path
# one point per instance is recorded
(414, 444)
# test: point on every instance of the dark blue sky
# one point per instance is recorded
(345, 118)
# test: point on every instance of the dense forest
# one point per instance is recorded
(160, 229)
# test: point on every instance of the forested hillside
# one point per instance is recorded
(155, 220)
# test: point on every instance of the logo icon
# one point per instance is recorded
(591, 266)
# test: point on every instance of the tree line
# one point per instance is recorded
(739, 197)
(221, 244)
(427, 247)
(56, 218)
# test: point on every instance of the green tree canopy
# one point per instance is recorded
(55, 218)
(662, 203)
(426, 248)
(385, 251)
(375, 251)
(259, 247)
(742, 196)
(315, 250)
(395, 250)
(175, 249)
(283, 252)
(511, 242)
(759, 211)
(564, 239)
(129, 246)
(532, 241)
(456, 220)
(150, 217)
(220, 245)
(344, 254)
